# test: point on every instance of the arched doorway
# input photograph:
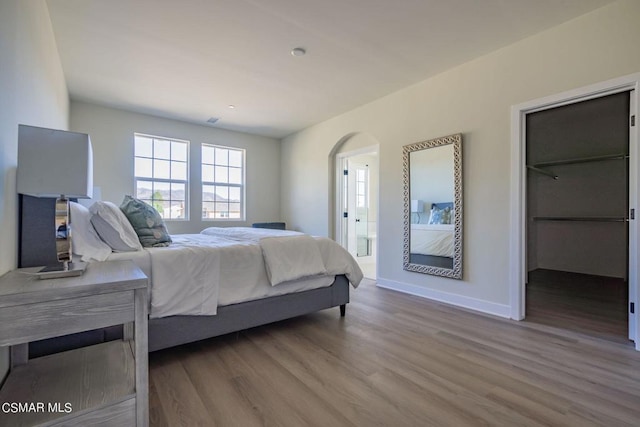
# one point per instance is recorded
(356, 165)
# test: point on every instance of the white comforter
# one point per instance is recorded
(248, 234)
(186, 276)
(432, 239)
(222, 266)
(291, 258)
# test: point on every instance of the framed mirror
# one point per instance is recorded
(433, 206)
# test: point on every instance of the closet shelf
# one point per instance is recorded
(581, 160)
(581, 218)
(536, 167)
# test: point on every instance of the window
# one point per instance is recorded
(222, 182)
(161, 170)
(361, 188)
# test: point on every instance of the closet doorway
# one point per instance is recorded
(577, 159)
(574, 200)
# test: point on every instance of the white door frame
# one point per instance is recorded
(341, 159)
(518, 263)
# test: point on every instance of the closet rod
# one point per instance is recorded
(580, 218)
(542, 171)
(582, 160)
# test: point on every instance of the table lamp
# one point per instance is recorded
(56, 163)
(417, 207)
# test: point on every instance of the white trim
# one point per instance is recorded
(634, 193)
(517, 265)
(371, 149)
(483, 306)
(340, 164)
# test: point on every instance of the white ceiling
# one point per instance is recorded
(191, 59)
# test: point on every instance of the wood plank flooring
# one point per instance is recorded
(583, 303)
(397, 360)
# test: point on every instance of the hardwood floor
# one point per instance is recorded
(397, 360)
(583, 303)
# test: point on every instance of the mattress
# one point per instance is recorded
(432, 239)
(199, 272)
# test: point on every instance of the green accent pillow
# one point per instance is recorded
(146, 221)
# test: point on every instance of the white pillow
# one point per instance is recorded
(114, 228)
(84, 237)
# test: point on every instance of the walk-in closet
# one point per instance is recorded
(577, 216)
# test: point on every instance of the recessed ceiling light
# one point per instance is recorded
(298, 51)
(232, 106)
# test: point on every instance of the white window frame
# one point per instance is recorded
(241, 186)
(164, 180)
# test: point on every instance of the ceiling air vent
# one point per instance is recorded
(212, 120)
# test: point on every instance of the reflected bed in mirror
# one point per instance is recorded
(433, 206)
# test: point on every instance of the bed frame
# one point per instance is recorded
(431, 260)
(36, 248)
(170, 331)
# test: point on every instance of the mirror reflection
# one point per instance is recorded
(433, 207)
(63, 246)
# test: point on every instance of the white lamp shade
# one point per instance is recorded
(54, 162)
(417, 206)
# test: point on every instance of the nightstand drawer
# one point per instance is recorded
(30, 322)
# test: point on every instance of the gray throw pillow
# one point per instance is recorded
(146, 221)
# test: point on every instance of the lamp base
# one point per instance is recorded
(58, 271)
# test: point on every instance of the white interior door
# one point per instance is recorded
(633, 217)
(363, 242)
(357, 215)
(352, 242)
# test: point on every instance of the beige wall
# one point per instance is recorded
(474, 99)
(33, 92)
(112, 132)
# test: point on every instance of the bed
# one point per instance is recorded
(432, 243)
(432, 239)
(192, 311)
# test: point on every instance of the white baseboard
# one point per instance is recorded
(501, 310)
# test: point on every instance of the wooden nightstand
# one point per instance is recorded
(104, 384)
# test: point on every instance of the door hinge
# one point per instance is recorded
(632, 214)
(632, 307)
(346, 172)
(633, 120)
(345, 214)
